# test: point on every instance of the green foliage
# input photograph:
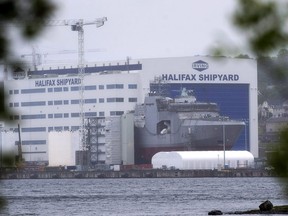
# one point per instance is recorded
(262, 22)
(278, 158)
(28, 16)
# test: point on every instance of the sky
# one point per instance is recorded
(138, 29)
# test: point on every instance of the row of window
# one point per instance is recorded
(73, 88)
(64, 115)
(66, 102)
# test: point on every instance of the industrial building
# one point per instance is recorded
(47, 102)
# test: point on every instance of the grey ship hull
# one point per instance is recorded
(185, 133)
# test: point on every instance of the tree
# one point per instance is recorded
(263, 23)
(25, 17)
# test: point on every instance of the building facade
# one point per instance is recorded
(49, 100)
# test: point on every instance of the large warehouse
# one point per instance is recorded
(47, 100)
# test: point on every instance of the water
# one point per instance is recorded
(141, 197)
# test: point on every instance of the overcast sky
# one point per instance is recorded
(140, 29)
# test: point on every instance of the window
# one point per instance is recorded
(101, 100)
(66, 128)
(66, 102)
(90, 101)
(16, 117)
(74, 101)
(132, 86)
(109, 100)
(33, 103)
(37, 116)
(32, 91)
(65, 89)
(10, 92)
(58, 115)
(58, 89)
(132, 99)
(75, 88)
(50, 115)
(75, 115)
(16, 91)
(50, 103)
(10, 104)
(58, 102)
(101, 86)
(34, 129)
(50, 89)
(16, 104)
(34, 142)
(66, 115)
(93, 87)
(90, 114)
(116, 113)
(74, 128)
(50, 129)
(115, 86)
(101, 114)
(58, 128)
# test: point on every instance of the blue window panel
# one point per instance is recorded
(75, 115)
(16, 104)
(92, 100)
(50, 89)
(50, 129)
(66, 128)
(74, 128)
(16, 91)
(32, 91)
(101, 114)
(34, 142)
(90, 114)
(58, 128)
(74, 101)
(16, 117)
(116, 113)
(75, 88)
(66, 115)
(10, 104)
(50, 115)
(101, 100)
(65, 89)
(34, 129)
(132, 99)
(58, 102)
(101, 86)
(109, 100)
(33, 103)
(37, 116)
(66, 102)
(10, 92)
(119, 86)
(132, 86)
(50, 103)
(58, 115)
(58, 89)
(93, 87)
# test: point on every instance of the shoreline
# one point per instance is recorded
(145, 173)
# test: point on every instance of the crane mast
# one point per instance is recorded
(77, 25)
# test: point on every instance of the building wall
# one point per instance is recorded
(54, 99)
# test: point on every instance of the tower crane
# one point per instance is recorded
(77, 25)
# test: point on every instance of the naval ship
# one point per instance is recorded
(181, 124)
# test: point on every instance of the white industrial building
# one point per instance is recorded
(195, 160)
(47, 100)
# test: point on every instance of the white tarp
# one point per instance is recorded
(186, 160)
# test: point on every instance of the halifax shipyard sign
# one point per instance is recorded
(58, 82)
(200, 66)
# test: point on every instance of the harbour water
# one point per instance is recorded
(133, 196)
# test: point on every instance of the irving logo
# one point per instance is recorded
(200, 65)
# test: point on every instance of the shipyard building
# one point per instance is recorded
(46, 104)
